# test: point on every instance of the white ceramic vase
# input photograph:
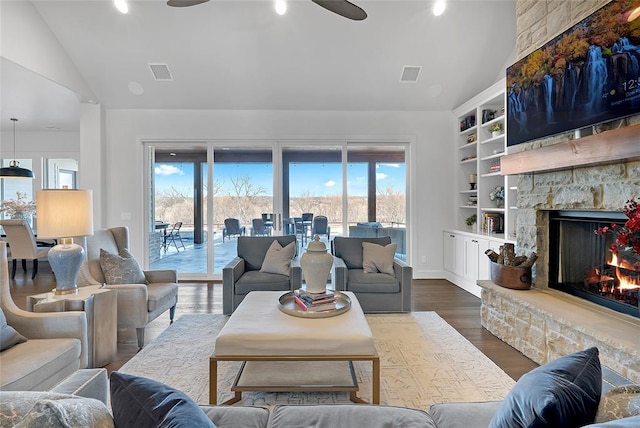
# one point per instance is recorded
(316, 264)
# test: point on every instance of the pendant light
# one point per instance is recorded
(14, 170)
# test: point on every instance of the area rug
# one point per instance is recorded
(423, 361)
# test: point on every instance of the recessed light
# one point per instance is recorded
(438, 7)
(121, 5)
(281, 7)
(172, 154)
(52, 128)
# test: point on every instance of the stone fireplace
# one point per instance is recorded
(544, 323)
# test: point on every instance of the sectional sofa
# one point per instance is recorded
(563, 393)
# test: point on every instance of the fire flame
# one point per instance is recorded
(627, 282)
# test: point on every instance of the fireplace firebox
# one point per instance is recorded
(581, 264)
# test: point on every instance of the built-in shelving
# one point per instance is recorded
(482, 151)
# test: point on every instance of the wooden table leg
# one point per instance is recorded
(213, 382)
(375, 385)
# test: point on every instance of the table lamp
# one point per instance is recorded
(65, 214)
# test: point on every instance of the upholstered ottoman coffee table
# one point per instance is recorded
(282, 352)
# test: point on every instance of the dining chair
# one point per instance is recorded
(23, 245)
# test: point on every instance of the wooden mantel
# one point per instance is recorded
(609, 146)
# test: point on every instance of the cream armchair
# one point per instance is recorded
(138, 304)
(56, 345)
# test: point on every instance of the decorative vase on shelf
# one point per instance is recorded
(499, 203)
(316, 264)
(495, 134)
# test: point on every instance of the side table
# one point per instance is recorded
(100, 305)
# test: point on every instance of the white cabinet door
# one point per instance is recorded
(451, 252)
(474, 249)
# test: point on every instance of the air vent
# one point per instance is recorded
(410, 73)
(161, 72)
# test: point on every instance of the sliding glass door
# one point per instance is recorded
(242, 198)
(206, 195)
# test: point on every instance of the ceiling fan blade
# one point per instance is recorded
(343, 8)
(185, 3)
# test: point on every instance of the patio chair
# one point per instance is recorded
(259, 228)
(23, 245)
(232, 228)
(244, 273)
(376, 292)
(174, 234)
(321, 226)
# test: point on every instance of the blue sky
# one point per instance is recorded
(315, 179)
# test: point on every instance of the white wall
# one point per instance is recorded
(430, 196)
(28, 41)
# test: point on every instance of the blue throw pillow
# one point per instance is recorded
(562, 393)
(140, 402)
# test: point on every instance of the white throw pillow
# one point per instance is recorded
(377, 258)
(278, 259)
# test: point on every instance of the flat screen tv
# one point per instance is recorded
(585, 76)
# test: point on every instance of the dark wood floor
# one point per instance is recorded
(459, 308)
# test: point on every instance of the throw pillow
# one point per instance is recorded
(619, 402)
(278, 259)
(140, 402)
(562, 393)
(378, 258)
(121, 268)
(67, 413)
(8, 335)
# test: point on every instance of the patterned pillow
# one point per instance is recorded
(121, 268)
(8, 335)
(619, 402)
(46, 409)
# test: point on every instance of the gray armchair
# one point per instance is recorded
(56, 347)
(138, 304)
(376, 292)
(242, 274)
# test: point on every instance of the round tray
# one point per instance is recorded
(288, 306)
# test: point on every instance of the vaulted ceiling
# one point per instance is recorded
(242, 55)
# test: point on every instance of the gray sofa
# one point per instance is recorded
(374, 229)
(566, 392)
(16, 406)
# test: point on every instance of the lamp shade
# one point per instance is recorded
(64, 213)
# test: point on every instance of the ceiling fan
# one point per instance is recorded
(341, 7)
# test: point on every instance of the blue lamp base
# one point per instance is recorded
(65, 260)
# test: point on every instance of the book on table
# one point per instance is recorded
(314, 296)
(315, 302)
(314, 308)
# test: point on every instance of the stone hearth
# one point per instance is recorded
(546, 324)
